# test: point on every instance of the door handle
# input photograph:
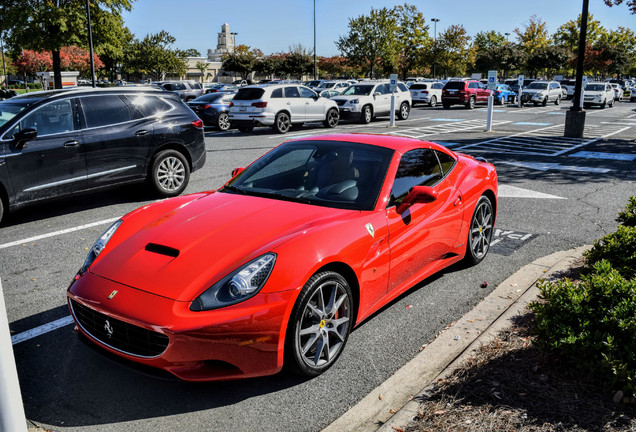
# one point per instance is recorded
(141, 132)
(458, 201)
(73, 143)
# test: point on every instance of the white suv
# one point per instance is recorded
(426, 92)
(280, 106)
(598, 93)
(368, 99)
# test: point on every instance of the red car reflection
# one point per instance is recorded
(280, 264)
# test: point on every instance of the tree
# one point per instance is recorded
(271, 65)
(336, 66)
(547, 59)
(631, 4)
(154, 57)
(30, 62)
(242, 60)
(452, 51)
(412, 38)
(190, 52)
(488, 40)
(298, 61)
(371, 40)
(534, 35)
(202, 66)
(50, 25)
(567, 35)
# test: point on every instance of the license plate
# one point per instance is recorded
(242, 109)
(452, 91)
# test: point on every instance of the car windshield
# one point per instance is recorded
(326, 85)
(537, 86)
(326, 173)
(11, 108)
(595, 87)
(358, 90)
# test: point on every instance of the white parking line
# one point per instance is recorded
(44, 328)
(57, 233)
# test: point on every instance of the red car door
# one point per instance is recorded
(424, 232)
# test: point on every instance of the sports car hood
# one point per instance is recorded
(180, 253)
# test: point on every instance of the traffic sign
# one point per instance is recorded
(492, 80)
(520, 79)
(393, 79)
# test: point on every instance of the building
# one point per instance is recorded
(213, 72)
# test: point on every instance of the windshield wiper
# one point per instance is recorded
(229, 188)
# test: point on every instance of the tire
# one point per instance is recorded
(282, 123)
(611, 104)
(405, 109)
(471, 103)
(432, 102)
(1, 210)
(604, 104)
(558, 100)
(366, 115)
(480, 231)
(514, 100)
(322, 317)
(169, 173)
(545, 101)
(246, 128)
(223, 122)
(332, 118)
(445, 105)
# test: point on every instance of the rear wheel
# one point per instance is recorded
(480, 234)
(169, 173)
(471, 103)
(282, 123)
(432, 102)
(333, 116)
(320, 324)
(445, 105)
(405, 109)
(223, 122)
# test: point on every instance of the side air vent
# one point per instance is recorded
(162, 250)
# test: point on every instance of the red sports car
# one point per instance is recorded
(276, 267)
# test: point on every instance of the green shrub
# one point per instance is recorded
(591, 323)
(628, 216)
(618, 248)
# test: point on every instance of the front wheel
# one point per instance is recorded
(558, 100)
(320, 324)
(480, 234)
(367, 114)
(169, 173)
(333, 116)
(223, 122)
(405, 109)
(545, 101)
(282, 123)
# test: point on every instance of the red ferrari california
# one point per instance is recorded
(279, 265)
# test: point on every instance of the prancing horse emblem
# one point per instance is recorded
(109, 329)
(370, 229)
(113, 294)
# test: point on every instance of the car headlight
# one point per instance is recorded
(99, 245)
(354, 101)
(241, 284)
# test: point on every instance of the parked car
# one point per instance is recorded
(514, 84)
(467, 93)
(280, 106)
(504, 94)
(312, 84)
(369, 99)
(329, 93)
(62, 142)
(601, 94)
(542, 92)
(278, 266)
(568, 85)
(213, 109)
(332, 85)
(222, 88)
(7, 94)
(426, 92)
(618, 91)
(187, 90)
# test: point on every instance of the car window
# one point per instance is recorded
(104, 110)
(358, 90)
(195, 86)
(292, 92)
(383, 89)
(277, 93)
(306, 93)
(457, 85)
(252, 93)
(402, 87)
(472, 85)
(52, 118)
(537, 86)
(418, 87)
(149, 105)
(446, 161)
(11, 108)
(438, 86)
(418, 167)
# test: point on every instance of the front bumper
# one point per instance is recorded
(239, 341)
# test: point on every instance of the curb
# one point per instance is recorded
(393, 404)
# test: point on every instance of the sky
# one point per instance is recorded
(275, 26)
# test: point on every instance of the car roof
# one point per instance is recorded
(51, 94)
(397, 143)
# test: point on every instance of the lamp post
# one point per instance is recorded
(435, 21)
(4, 66)
(90, 42)
(507, 34)
(315, 70)
(575, 116)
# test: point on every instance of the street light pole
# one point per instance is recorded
(4, 66)
(435, 21)
(507, 34)
(575, 116)
(315, 70)
(90, 42)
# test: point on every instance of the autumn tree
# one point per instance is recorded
(50, 25)
(272, 65)
(153, 56)
(534, 35)
(242, 60)
(631, 4)
(79, 59)
(30, 62)
(336, 66)
(298, 62)
(567, 35)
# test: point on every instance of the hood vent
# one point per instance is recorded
(162, 250)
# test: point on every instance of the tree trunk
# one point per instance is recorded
(57, 70)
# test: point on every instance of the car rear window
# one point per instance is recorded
(149, 105)
(419, 87)
(104, 110)
(455, 85)
(249, 94)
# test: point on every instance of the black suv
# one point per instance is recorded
(61, 142)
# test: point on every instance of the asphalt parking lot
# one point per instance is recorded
(556, 193)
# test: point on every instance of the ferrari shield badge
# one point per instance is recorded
(370, 229)
(113, 294)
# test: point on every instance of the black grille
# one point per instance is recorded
(340, 102)
(119, 334)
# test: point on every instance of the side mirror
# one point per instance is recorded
(417, 194)
(237, 171)
(23, 136)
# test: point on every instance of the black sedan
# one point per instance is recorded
(212, 108)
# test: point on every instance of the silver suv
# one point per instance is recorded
(542, 92)
(187, 90)
(368, 99)
(280, 106)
